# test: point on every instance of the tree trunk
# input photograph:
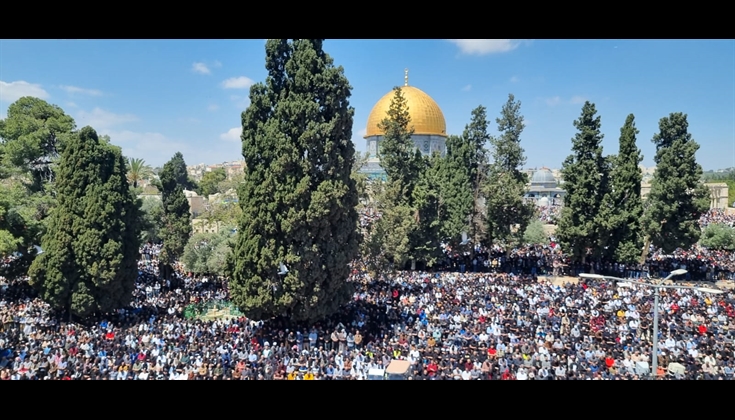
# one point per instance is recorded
(473, 216)
(413, 265)
(644, 253)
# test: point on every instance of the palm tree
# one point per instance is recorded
(138, 171)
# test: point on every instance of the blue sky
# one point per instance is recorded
(155, 98)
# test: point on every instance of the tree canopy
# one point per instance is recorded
(298, 231)
(622, 207)
(678, 197)
(211, 181)
(506, 181)
(91, 248)
(585, 173)
(176, 227)
(33, 137)
(207, 253)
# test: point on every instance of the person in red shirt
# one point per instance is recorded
(492, 352)
(702, 329)
(609, 362)
(432, 368)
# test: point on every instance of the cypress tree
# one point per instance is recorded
(429, 211)
(399, 229)
(176, 227)
(585, 173)
(298, 229)
(463, 176)
(506, 182)
(678, 197)
(399, 157)
(91, 248)
(456, 190)
(622, 207)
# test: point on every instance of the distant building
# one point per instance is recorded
(197, 204)
(427, 121)
(544, 189)
(719, 194)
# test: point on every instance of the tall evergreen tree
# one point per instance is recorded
(622, 207)
(429, 208)
(585, 174)
(506, 182)
(176, 227)
(456, 190)
(678, 197)
(463, 176)
(397, 233)
(91, 249)
(399, 157)
(476, 137)
(298, 231)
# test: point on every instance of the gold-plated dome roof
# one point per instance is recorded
(426, 116)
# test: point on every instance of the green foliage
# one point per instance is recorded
(456, 189)
(210, 183)
(223, 212)
(137, 171)
(361, 179)
(177, 171)
(718, 236)
(678, 197)
(207, 253)
(233, 182)
(463, 176)
(535, 234)
(152, 214)
(33, 136)
(176, 222)
(389, 242)
(506, 183)
(22, 219)
(399, 157)
(298, 199)
(91, 247)
(428, 210)
(410, 202)
(585, 172)
(622, 207)
(30, 139)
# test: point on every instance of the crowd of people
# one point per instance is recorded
(449, 326)
(549, 214)
(717, 216)
(483, 314)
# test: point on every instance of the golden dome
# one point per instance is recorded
(426, 116)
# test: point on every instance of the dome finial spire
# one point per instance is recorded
(405, 78)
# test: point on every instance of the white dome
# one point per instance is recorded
(543, 176)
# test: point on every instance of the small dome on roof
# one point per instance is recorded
(543, 176)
